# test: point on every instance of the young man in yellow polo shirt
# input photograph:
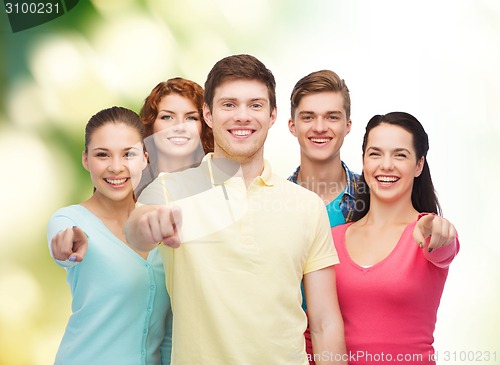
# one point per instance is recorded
(238, 240)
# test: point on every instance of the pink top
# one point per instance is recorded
(390, 308)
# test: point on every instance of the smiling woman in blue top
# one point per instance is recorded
(121, 310)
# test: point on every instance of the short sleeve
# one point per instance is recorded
(322, 251)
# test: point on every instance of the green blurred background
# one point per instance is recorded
(437, 60)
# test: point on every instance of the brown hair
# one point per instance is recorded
(236, 67)
(320, 81)
(115, 114)
(185, 88)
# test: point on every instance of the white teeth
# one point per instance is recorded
(320, 140)
(179, 139)
(387, 179)
(241, 132)
(116, 182)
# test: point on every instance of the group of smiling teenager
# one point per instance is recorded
(217, 260)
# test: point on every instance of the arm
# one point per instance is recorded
(325, 320)
(438, 239)
(149, 225)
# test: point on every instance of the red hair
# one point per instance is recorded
(186, 88)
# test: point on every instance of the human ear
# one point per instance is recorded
(85, 161)
(420, 166)
(207, 115)
(145, 162)
(348, 127)
(291, 127)
(274, 114)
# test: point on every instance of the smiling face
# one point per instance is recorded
(240, 119)
(390, 163)
(115, 160)
(177, 128)
(320, 125)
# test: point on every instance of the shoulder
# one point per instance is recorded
(301, 202)
(73, 215)
(71, 211)
(295, 189)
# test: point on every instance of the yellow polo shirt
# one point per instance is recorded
(235, 281)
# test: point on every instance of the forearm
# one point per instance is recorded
(329, 344)
(444, 255)
(325, 320)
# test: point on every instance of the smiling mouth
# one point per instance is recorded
(178, 139)
(241, 132)
(116, 181)
(320, 140)
(387, 179)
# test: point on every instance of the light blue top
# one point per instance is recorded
(120, 310)
(335, 214)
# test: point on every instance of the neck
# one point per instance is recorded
(109, 209)
(390, 213)
(326, 178)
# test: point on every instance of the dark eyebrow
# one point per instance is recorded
(400, 149)
(308, 112)
(224, 98)
(259, 99)
(252, 100)
(99, 149)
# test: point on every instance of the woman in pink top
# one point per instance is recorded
(394, 259)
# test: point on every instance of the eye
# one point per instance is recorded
(166, 117)
(333, 117)
(307, 118)
(193, 118)
(130, 154)
(101, 154)
(401, 155)
(374, 154)
(227, 105)
(256, 106)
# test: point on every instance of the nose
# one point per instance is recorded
(242, 114)
(117, 164)
(179, 125)
(386, 163)
(319, 125)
